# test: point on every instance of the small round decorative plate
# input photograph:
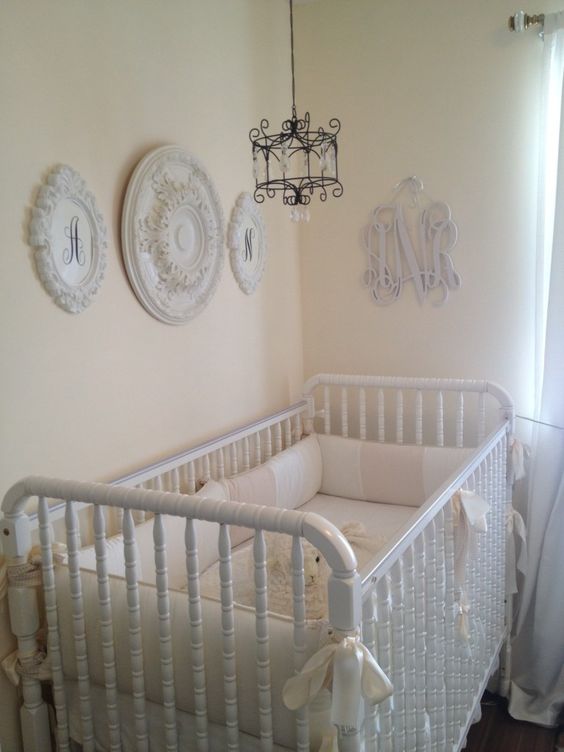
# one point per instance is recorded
(172, 235)
(69, 237)
(246, 239)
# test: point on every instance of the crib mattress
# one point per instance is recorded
(185, 724)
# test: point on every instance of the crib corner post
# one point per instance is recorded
(345, 614)
(25, 622)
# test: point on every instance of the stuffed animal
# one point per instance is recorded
(280, 572)
(316, 569)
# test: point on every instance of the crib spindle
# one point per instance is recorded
(326, 410)
(438, 728)
(53, 637)
(419, 417)
(410, 656)
(440, 420)
(106, 629)
(481, 417)
(220, 464)
(196, 637)
(277, 438)
(135, 636)
(362, 413)
(432, 678)
(381, 417)
(298, 427)
(268, 444)
(228, 631)
(79, 628)
(233, 459)
(421, 718)
(191, 477)
(287, 433)
(460, 420)
(298, 587)
(398, 655)
(246, 454)
(175, 480)
(344, 413)
(369, 640)
(450, 670)
(383, 628)
(263, 644)
(165, 636)
(258, 449)
(399, 417)
(206, 470)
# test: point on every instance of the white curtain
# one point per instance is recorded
(537, 687)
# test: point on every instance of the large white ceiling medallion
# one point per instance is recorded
(246, 238)
(69, 237)
(172, 234)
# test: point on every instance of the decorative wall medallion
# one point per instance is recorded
(246, 237)
(69, 237)
(410, 240)
(172, 234)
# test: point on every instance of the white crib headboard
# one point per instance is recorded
(439, 412)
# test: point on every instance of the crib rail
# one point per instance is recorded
(344, 607)
(439, 412)
(226, 455)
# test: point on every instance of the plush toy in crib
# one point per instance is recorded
(316, 569)
(280, 572)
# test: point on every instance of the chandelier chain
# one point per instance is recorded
(292, 53)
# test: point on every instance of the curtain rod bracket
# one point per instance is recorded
(521, 21)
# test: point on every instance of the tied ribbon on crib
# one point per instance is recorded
(356, 674)
(330, 741)
(518, 453)
(469, 518)
(36, 665)
(515, 529)
(463, 617)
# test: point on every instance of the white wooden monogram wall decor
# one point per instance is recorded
(410, 240)
(69, 237)
(172, 234)
(246, 238)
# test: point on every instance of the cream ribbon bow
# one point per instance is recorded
(518, 453)
(469, 517)
(515, 529)
(356, 674)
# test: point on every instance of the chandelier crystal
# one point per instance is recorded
(297, 161)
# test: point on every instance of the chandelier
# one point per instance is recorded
(297, 161)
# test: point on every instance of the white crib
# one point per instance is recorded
(437, 642)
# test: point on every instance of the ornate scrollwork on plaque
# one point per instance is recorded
(69, 237)
(172, 233)
(410, 240)
(246, 238)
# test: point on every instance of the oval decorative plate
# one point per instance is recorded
(246, 238)
(69, 237)
(172, 234)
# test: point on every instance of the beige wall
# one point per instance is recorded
(442, 90)
(96, 85)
